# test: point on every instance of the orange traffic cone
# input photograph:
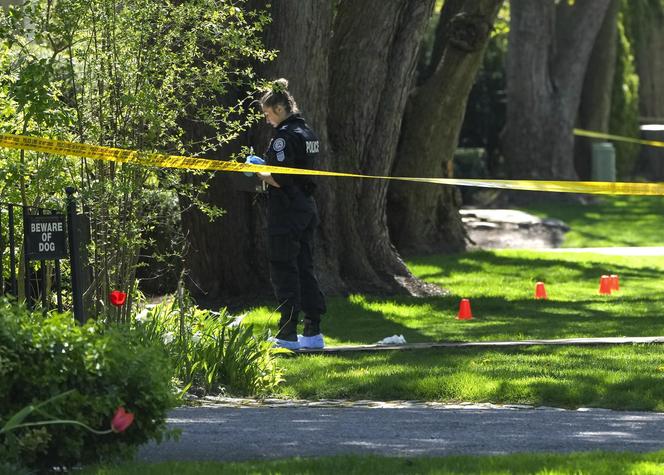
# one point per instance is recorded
(464, 310)
(615, 282)
(540, 291)
(605, 285)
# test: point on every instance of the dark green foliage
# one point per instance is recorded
(212, 352)
(41, 357)
(624, 118)
(485, 111)
(160, 261)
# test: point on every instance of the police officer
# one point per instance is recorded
(292, 217)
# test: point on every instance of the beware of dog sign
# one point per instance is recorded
(45, 237)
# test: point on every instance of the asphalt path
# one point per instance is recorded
(255, 433)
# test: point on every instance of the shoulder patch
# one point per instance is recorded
(281, 156)
(279, 144)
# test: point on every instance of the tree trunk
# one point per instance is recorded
(425, 218)
(648, 27)
(372, 66)
(549, 49)
(303, 60)
(650, 62)
(224, 259)
(595, 107)
(227, 258)
(371, 60)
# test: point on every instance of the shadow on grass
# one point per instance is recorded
(368, 319)
(617, 378)
(539, 268)
(499, 318)
(349, 321)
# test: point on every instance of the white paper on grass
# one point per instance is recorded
(393, 340)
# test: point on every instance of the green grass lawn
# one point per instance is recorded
(500, 285)
(613, 221)
(576, 463)
(617, 377)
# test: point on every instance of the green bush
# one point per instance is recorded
(43, 356)
(212, 352)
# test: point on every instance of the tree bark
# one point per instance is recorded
(303, 60)
(549, 49)
(425, 218)
(595, 107)
(372, 68)
(224, 258)
(650, 62)
(227, 260)
(648, 28)
(356, 109)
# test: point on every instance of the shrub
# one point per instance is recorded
(212, 352)
(43, 356)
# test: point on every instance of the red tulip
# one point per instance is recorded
(117, 298)
(121, 420)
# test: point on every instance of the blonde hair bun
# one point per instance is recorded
(280, 85)
(278, 94)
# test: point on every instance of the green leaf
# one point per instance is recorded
(17, 418)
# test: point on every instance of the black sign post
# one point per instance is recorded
(76, 248)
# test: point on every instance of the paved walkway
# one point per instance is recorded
(251, 433)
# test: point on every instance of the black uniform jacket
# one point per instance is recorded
(291, 208)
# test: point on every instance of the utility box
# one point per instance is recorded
(603, 162)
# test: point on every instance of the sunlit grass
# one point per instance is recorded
(613, 221)
(620, 377)
(602, 463)
(500, 285)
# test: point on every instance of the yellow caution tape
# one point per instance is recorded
(619, 138)
(60, 147)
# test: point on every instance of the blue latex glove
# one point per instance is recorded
(255, 160)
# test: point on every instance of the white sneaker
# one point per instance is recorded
(315, 342)
(278, 343)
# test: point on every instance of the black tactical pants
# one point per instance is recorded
(292, 272)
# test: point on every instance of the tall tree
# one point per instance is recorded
(372, 67)
(352, 86)
(595, 106)
(549, 47)
(227, 257)
(648, 29)
(426, 218)
(624, 119)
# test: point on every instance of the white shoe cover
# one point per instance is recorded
(290, 345)
(315, 342)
